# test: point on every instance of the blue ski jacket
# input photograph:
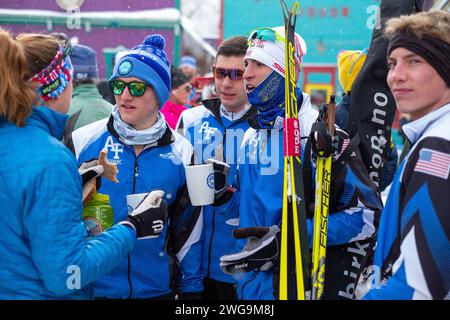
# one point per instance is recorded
(413, 248)
(160, 166)
(207, 127)
(44, 249)
(354, 202)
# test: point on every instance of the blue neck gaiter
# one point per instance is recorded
(268, 98)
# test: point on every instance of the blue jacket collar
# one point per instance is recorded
(416, 128)
(49, 120)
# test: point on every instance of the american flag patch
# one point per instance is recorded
(434, 163)
(345, 144)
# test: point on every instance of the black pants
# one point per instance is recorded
(218, 290)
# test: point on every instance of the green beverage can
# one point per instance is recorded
(98, 215)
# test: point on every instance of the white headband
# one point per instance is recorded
(272, 53)
(269, 53)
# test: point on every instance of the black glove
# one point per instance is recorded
(90, 170)
(149, 217)
(260, 252)
(221, 171)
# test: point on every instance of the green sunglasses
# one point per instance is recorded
(136, 89)
(266, 34)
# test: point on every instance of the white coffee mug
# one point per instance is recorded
(200, 184)
(133, 200)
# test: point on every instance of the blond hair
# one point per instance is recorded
(435, 24)
(16, 93)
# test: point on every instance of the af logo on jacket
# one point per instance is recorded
(113, 149)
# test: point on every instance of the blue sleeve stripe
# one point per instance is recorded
(435, 236)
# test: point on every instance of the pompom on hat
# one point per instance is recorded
(149, 63)
(350, 63)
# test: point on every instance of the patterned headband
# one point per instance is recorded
(55, 77)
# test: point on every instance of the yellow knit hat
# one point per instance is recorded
(349, 65)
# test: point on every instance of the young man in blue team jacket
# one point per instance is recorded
(220, 122)
(412, 258)
(149, 156)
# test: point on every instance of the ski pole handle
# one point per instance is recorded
(331, 114)
(324, 129)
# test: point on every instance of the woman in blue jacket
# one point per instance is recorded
(44, 250)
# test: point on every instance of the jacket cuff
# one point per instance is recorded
(227, 195)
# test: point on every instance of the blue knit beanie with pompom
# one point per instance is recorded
(148, 62)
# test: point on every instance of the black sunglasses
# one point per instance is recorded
(222, 73)
(136, 88)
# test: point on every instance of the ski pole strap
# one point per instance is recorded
(322, 142)
(336, 167)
